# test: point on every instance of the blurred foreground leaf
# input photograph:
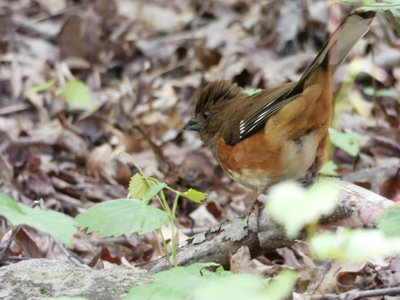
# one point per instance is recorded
(176, 284)
(58, 225)
(246, 286)
(294, 206)
(389, 222)
(353, 245)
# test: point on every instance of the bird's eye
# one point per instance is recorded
(206, 115)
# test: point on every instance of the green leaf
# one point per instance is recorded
(246, 286)
(329, 169)
(58, 225)
(293, 206)
(153, 191)
(43, 86)
(353, 245)
(252, 91)
(122, 216)
(77, 94)
(194, 195)
(175, 284)
(389, 222)
(138, 186)
(348, 142)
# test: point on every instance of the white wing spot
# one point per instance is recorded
(242, 126)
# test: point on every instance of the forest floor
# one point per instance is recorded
(139, 64)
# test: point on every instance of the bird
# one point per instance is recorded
(281, 133)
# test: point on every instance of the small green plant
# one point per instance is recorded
(135, 214)
(76, 93)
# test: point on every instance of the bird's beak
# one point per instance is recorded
(192, 125)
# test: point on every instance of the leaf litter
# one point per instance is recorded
(140, 63)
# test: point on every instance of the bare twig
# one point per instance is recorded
(394, 291)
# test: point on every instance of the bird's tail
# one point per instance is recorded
(339, 44)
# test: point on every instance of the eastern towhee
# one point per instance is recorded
(279, 133)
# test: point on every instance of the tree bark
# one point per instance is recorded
(357, 207)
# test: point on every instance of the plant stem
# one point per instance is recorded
(175, 204)
(164, 203)
(167, 256)
(174, 242)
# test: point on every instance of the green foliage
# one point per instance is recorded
(294, 206)
(353, 245)
(194, 195)
(252, 91)
(246, 286)
(197, 282)
(54, 223)
(126, 216)
(389, 222)
(348, 142)
(177, 283)
(153, 191)
(38, 88)
(138, 186)
(380, 92)
(77, 94)
(329, 169)
(122, 216)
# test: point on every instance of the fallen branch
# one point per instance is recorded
(358, 208)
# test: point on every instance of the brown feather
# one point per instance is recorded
(215, 91)
(280, 133)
